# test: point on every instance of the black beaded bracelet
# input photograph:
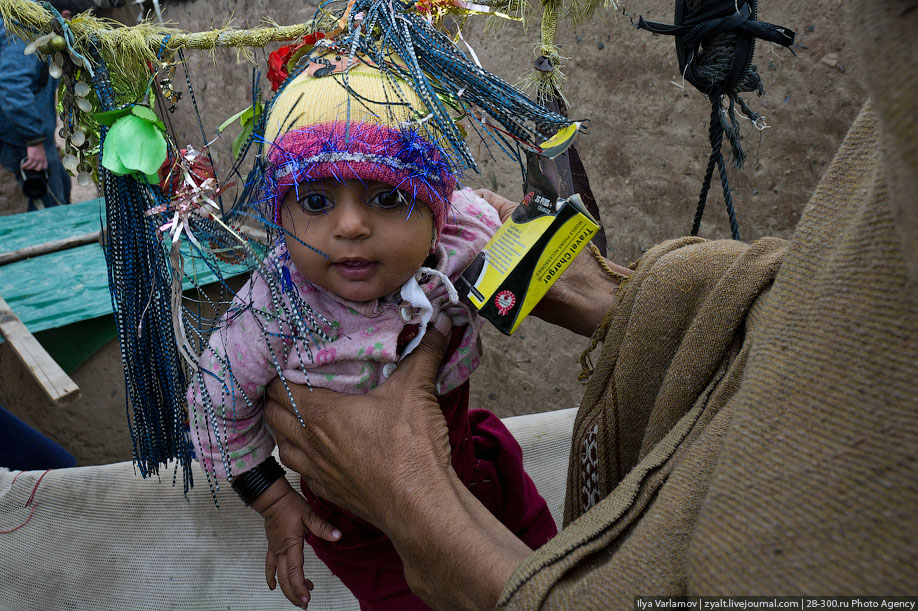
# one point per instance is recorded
(251, 484)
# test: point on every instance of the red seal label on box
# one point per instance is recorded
(505, 300)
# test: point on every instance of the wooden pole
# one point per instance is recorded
(48, 247)
(49, 375)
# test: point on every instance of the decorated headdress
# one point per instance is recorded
(343, 119)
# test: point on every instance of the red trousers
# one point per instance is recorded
(487, 459)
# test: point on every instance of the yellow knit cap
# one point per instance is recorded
(356, 124)
(310, 100)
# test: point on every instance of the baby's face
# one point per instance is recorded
(374, 237)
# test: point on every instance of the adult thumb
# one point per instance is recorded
(424, 361)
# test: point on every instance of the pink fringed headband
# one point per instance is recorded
(401, 157)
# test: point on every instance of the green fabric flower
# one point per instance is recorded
(135, 142)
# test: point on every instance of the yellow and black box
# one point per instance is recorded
(525, 257)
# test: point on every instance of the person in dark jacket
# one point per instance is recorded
(28, 117)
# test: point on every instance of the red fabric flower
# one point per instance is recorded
(277, 65)
(172, 183)
(278, 60)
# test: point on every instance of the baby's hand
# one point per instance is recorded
(288, 517)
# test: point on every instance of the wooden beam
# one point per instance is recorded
(43, 249)
(49, 375)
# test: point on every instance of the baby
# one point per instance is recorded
(375, 233)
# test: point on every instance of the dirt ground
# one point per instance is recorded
(645, 152)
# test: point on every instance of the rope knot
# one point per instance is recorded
(715, 44)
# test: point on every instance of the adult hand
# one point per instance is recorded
(35, 158)
(385, 456)
(582, 295)
(504, 206)
(352, 447)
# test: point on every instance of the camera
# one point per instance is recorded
(34, 183)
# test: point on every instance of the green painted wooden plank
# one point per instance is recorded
(72, 345)
(57, 289)
(31, 228)
(62, 288)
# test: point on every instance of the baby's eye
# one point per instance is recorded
(316, 203)
(388, 200)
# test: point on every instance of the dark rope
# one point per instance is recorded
(716, 136)
(139, 281)
(715, 45)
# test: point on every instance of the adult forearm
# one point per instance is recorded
(457, 555)
(583, 294)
